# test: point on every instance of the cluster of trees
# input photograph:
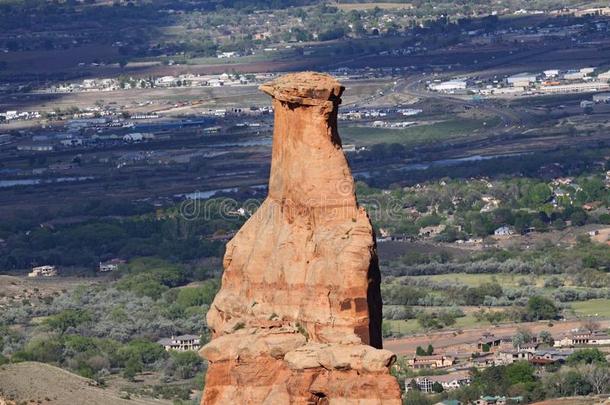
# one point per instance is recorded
(99, 357)
(579, 273)
(98, 330)
(135, 233)
(439, 319)
(528, 166)
(402, 297)
(525, 204)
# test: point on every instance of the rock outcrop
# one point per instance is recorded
(298, 317)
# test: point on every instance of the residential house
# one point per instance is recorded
(483, 360)
(596, 338)
(504, 231)
(511, 356)
(434, 361)
(559, 356)
(491, 203)
(449, 381)
(490, 340)
(181, 343)
(43, 271)
(432, 230)
(540, 361)
(111, 265)
(489, 400)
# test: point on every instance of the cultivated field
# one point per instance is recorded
(419, 134)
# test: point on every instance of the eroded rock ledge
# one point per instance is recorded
(298, 317)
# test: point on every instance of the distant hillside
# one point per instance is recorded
(46, 384)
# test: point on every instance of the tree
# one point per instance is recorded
(587, 356)
(184, 364)
(430, 350)
(539, 307)
(591, 325)
(413, 385)
(47, 350)
(197, 296)
(522, 337)
(539, 194)
(437, 387)
(416, 397)
(132, 367)
(428, 321)
(546, 338)
(578, 218)
(69, 318)
(520, 372)
(386, 329)
(420, 351)
(559, 224)
(447, 317)
(598, 376)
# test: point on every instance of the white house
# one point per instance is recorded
(111, 265)
(504, 231)
(226, 55)
(181, 343)
(449, 381)
(583, 339)
(43, 271)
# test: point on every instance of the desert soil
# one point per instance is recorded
(46, 384)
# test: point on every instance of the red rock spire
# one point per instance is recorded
(298, 317)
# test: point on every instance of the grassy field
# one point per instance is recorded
(411, 326)
(440, 131)
(598, 307)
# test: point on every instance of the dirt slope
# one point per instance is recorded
(46, 384)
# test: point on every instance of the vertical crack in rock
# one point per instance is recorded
(307, 257)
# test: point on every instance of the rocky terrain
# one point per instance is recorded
(298, 317)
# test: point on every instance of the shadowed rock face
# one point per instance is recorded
(298, 317)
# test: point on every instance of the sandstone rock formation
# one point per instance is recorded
(298, 317)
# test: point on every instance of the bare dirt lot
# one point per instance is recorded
(603, 235)
(34, 289)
